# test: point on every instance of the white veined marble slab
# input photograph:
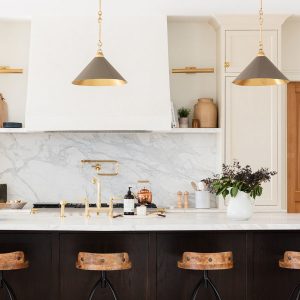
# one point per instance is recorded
(75, 221)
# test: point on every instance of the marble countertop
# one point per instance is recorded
(49, 220)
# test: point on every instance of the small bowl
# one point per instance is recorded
(13, 205)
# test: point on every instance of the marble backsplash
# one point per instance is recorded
(45, 167)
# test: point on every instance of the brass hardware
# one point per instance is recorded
(62, 208)
(161, 212)
(7, 70)
(97, 165)
(86, 208)
(193, 70)
(99, 71)
(108, 210)
(33, 211)
(226, 64)
(261, 71)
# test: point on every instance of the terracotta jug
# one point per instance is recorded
(206, 112)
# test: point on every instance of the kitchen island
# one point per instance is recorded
(154, 244)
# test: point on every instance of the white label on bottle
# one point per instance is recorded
(128, 205)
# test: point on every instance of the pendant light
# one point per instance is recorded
(99, 72)
(261, 71)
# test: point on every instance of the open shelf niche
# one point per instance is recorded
(192, 43)
(14, 61)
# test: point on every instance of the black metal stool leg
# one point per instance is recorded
(112, 289)
(214, 289)
(7, 287)
(94, 289)
(197, 289)
(298, 295)
(294, 290)
(9, 290)
(103, 282)
(207, 283)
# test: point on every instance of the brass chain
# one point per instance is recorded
(99, 51)
(261, 22)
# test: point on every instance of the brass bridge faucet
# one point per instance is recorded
(98, 166)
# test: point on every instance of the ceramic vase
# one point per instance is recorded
(183, 122)
(206, 112)
(240, 207)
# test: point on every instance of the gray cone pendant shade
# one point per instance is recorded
(99, 72)
(261, 71)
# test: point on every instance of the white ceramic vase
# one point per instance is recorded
(240, 207)
(183, 122)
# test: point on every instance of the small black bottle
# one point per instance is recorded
(129, 203)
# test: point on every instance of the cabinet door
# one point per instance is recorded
(62, 46)
(293, 149)
(242, 46)
(251, 132)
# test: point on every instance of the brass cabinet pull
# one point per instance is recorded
(226, 64)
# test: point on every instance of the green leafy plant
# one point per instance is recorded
(235, 178)
(183, 112)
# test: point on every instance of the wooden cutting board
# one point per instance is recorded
(3, 111)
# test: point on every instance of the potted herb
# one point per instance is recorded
(183, 114)
(240, 184)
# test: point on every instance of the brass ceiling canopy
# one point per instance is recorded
(261, 71)
(99, 72)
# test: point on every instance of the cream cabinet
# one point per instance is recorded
(251, 134)
(62, 46)
(241, 47)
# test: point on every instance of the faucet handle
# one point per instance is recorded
(86, 207)
(62, 208)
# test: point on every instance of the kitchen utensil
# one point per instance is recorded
(179, 199)
(201, 186)
(194, 185)
(186, 199)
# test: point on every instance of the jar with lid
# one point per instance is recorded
(144, 194)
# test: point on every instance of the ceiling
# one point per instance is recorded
(27, 8)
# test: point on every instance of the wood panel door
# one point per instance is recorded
(242, 46)
(293, 147)
(178, 284)
(251, 135)
(41, 279)
(134, 284)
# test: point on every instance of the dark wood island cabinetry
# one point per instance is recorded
(154, 275)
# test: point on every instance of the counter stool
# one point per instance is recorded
(205, 262)
(103, 262)
(291, 260)
(8, 262)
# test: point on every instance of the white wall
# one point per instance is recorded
(138, 7)
(14, 52)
